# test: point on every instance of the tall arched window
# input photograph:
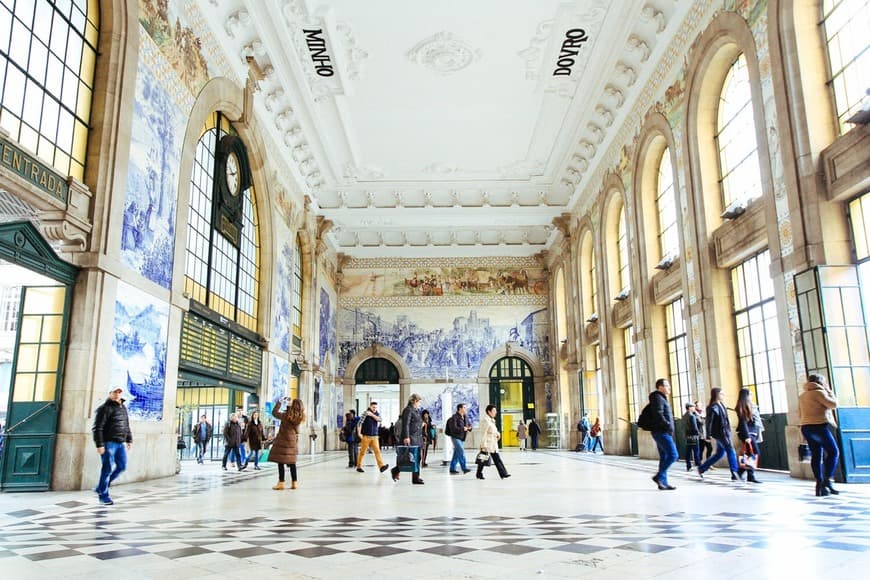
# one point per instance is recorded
(217, 273)
(848, 58)
(622, 252)
(587, 276)
(297, 293)
(739, 171)
(48, 52)
(666, 206)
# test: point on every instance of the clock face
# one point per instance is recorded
(232, 170)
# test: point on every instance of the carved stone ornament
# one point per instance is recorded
(443, 53)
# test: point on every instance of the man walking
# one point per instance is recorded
(113, 438)
(534, 431)
(457, 428)
(368, 433)
(202, 436)
(232, 441)
(583, 427)
(662, 428)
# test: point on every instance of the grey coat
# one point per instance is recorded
(412, 425)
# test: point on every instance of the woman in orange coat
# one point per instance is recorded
(285, 446)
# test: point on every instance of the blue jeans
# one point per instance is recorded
(693, 450)
(458, 455)
(820, 438)
(667, 455)
(114, 460)
(237, 456)
(723, 446)
(255, 455)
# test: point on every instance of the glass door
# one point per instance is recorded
(32, 412)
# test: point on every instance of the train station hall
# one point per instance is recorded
(540, 288)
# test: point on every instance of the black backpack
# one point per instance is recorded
(646, 420)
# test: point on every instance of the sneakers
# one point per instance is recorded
(383, 467)
(256, 468)
(454, 473)
(106, 501)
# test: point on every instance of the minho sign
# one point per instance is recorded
(33, 170)
(571, 46)
(317, 47)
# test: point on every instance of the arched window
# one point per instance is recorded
(297, 293)
(739, 171)
(217, 273)
(845, 23)
(48, 52)
(666, 207)
(587, 276)
(630, 359)
(622, 252)
(678, 354)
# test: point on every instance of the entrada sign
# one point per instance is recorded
(571, 46)
(317, 47)
(33, 170)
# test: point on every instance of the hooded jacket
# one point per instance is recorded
(816, 405)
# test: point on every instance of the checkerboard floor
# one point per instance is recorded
(559, 515)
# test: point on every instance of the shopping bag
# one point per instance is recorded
(264, 456)
(408, 458)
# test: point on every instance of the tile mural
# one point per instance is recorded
(327, 328)
(450, 340)
(139, 351)
(148, 230)
(279, 386)
(440, 399)
(282, 305)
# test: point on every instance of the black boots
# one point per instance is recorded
(830, 487)
(750, 476)
(824, 488)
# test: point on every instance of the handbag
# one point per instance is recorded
(181, 444)
(408, 458)
(805, 454)
(749, 459)
(483, 458)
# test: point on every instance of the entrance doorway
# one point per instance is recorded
(512, 391)
(377, 379)
(34, 320)
(217, 402)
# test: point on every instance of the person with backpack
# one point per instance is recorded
(658, 418)
(693, 436)
(457, 428)
(595, 436)
(583, 428)
(350, 437)
(367, 431)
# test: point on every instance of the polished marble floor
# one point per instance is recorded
(560, 515)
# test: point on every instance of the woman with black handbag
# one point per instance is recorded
(489, 445)
(749, 430)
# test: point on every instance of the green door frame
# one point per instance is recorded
(528, 389)
(27, 461)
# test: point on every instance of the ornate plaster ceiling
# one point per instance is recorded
(450, 128)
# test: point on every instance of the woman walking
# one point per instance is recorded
(749, 430)
(595, 436)
(411, 425)
(285, 446)
(719, 428)
(521, 434)
(255, 436)
(428, 436)
(816, 405)
(489, 443)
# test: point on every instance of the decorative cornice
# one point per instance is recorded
(399, 263)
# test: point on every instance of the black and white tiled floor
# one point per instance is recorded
(559, 515)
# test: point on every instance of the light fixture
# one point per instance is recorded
(736, 209)
(593, 318)
(623, 294)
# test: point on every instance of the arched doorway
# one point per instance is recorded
(37, 298)
(512, 391)
(377, 379)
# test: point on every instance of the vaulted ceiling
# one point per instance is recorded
(449, 128)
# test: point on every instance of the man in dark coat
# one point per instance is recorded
(458, 427)
(202, 432)
(232, 442)
(534, 431)
(113, 438)
(411, 433)
(663, 432)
